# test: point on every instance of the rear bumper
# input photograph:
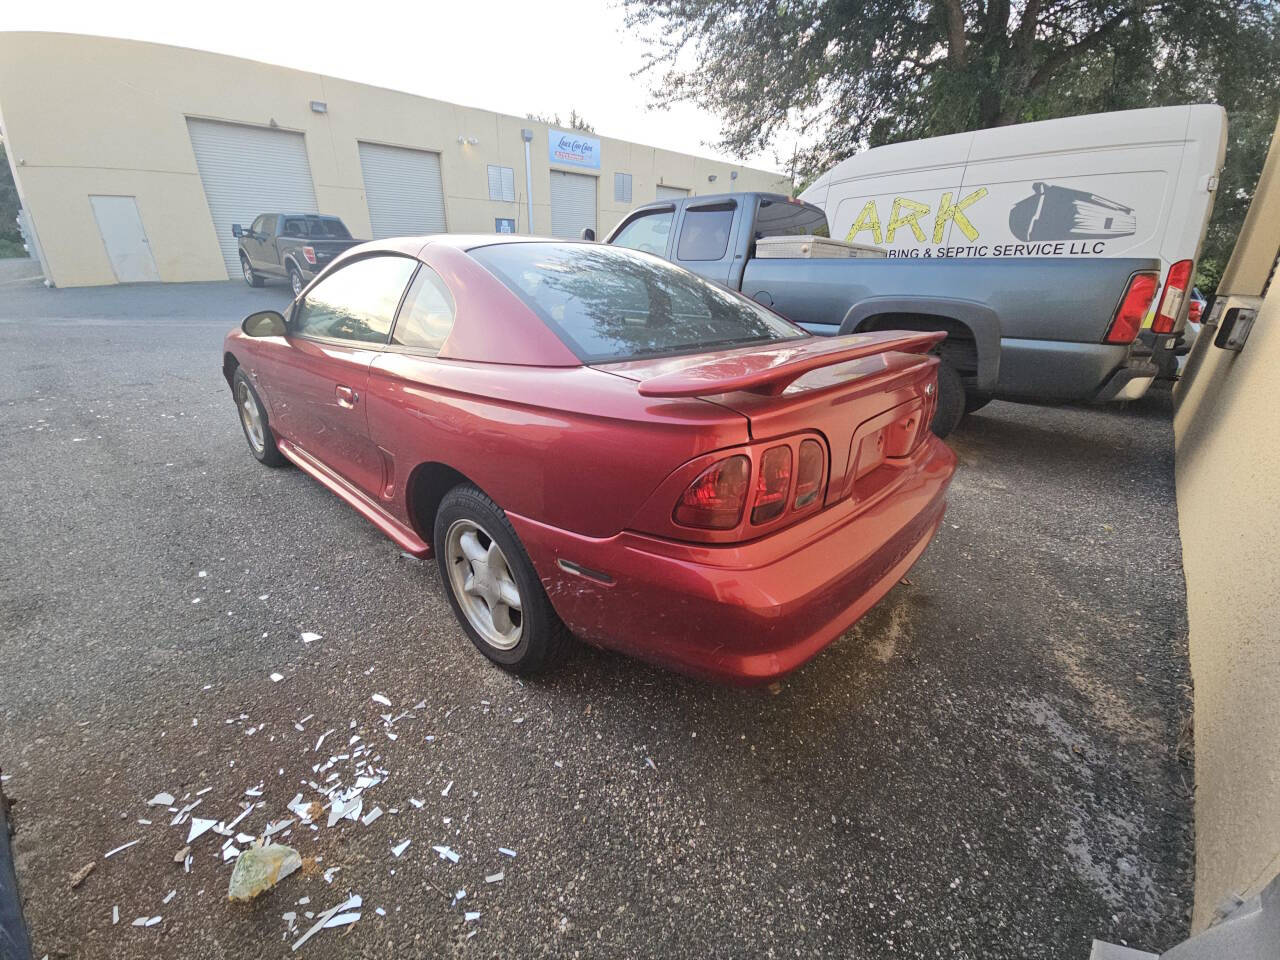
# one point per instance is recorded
(1064, 370)
(746, 613)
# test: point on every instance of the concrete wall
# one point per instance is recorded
(90, 115)
(1227, 430)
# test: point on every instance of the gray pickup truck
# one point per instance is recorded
(290, 246)
(1024, 329)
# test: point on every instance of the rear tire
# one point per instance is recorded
(295, 282)
(253, 421)
(494, 590)
(251, 278)
(951, 400)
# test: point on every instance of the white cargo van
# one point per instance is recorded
(1134, 183)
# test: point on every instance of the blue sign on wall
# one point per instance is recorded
(573, 148)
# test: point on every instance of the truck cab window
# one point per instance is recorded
(648, 232)
(704, 235)
(778, 218)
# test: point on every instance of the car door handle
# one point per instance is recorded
(347, 397)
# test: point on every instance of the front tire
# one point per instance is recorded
(951, 400)
(251, 278)
(492, 586)
(253, 421)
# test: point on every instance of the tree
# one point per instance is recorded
(10, 236)
(576, 120)
(844, 75)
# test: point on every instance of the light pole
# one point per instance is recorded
(527, 135)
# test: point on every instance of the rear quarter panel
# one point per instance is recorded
(571, 447)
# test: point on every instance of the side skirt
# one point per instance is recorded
(393, 529)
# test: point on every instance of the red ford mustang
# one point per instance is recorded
(591, 440)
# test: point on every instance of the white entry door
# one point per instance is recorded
(125, 239)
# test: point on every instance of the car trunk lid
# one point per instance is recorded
(870, 395)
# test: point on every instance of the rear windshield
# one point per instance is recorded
(611, 303)
(317, 228)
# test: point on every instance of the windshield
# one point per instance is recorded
(317, 228)
(610, 303)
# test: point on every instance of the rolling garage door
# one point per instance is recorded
(403, 190)
(248, 171)
(573, 204)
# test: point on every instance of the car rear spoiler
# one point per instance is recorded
(769, 371)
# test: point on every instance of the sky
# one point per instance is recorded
(535, 56)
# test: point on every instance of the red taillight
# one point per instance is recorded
(1133, 308)
(714, 501)
(310, 254)
(772, 485)
(1176, 285)
(809, 473)
(1195, 311)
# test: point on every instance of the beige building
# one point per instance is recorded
(1227, 435)
(132, 160)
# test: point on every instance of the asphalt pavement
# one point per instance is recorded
(994, 763)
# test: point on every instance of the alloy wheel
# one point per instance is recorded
(251, 418)
(481, 580)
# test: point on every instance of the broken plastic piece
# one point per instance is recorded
(379, 698)
(447, 787)
(277, 677)
(371, 816)
(258, 869)
(470, 915)
(446, 854)
(506, 851)
(325, 917)
(495, 877)
(199, 827)
(400, 848)
(161, 800)
(342, 920)
(123, 846)
(310, 637)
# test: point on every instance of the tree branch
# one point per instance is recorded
(1069, 53)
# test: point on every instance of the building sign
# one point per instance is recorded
(573, 148)
(504, 225)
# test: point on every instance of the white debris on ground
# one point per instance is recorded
(257, 834)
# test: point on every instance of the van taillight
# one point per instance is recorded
(715, 500)
(1133, 309)
(310, 254)
(809, 473)
(1175, 291)
(772, 485)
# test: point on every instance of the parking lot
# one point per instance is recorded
(994, 763)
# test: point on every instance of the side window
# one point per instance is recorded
(259, 225)
(295, 227)
(648, 232)
(356, 302)
(781, 219)
(427, 315)
(704, 235)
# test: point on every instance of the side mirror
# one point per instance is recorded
(588, 233)
(264, 323)
(237, 231)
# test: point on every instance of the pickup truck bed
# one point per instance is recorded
(1007, 308)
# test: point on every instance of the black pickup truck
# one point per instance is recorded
(290, 246)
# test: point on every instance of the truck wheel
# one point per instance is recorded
(295, 281)
(251, 278)
(951, 400)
